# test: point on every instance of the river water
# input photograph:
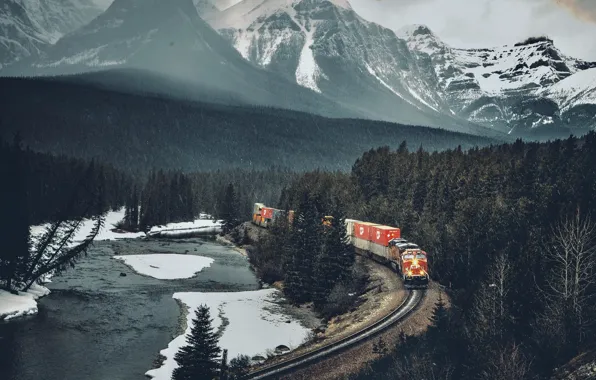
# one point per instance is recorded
(99, 325)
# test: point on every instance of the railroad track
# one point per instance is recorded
(275, 370)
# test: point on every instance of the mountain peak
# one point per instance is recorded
(414, 30)
(421, 38)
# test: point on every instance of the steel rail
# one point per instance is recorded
(408, 306)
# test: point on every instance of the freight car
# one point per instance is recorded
(264, 216)
(385, 245)
(379, 242)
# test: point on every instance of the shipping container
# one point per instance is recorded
(362, 230)
(267, 212)
(379, 250)
(350, 226)
(383, 234)
(360, 243)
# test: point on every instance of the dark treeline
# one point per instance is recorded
(510, 232)
(49, 182)
(137, 133)
(30, 180)
(250, 186)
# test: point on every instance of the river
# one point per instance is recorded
(99, 325)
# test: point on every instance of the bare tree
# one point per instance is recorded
(508, 363)
(490, 311)
(571, 285)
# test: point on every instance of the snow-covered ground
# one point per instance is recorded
(256, 325)
(166, 266)
(12, 306)
(204, 226)
(105, 233)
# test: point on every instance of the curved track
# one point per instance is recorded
(275, 370)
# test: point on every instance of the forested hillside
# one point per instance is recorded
(139, 133)
(511, 234)
(58, 184)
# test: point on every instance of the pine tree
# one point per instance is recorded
(335, 261)
(229, 209)
(198, 360)
(303, 250)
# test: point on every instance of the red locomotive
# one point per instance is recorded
(383, 243)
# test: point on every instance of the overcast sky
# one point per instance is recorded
(486, 23)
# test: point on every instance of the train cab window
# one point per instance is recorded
(421, 256)
(408, 257)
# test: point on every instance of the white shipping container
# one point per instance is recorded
(379, 250)
(350, 226)
(360, 243)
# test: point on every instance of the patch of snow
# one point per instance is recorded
(13, 306)
(243, 42)
(308, 71)
(224, 4)
(166, 266)
(373, 73)
(256, 325)
(205, 226)
(272, 47)
(87, 57)
(579, 88)
(112, 218)
(342, 3)
(419, 98)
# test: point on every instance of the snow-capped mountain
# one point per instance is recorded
(514, 87)
(169, 37)
(28, 26)
(325, 46)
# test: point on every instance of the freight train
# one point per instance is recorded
(379, 242)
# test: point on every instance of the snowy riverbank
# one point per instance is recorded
(12, 306)
(252, 322)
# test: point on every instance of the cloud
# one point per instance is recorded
(584, 10)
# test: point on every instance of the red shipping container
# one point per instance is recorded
(383, 234)
(362, 230)
(267, 212)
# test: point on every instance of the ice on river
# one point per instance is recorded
(166, 266)
(254, 324)
(12, 306)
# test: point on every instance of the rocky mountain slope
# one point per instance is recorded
(169, 37)
(27, 27)
(514, 88)
(324, 45)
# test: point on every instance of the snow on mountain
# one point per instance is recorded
(500, 87)
(169, 38)
(576, 90)
(26, 26)
(325, 46)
